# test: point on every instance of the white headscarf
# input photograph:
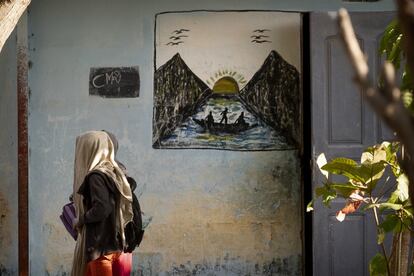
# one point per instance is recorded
(95, 151)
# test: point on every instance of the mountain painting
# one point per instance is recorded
(227, 80)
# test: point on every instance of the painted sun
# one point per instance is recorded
(226, 81)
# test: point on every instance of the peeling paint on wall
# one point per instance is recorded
(237, 266)
(146, 264)
(5, 228)
(57, 262)
(6, 271)
(226, 266)
(252, 214)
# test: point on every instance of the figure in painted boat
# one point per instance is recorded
(240, 119)
(209, 119)
(224, 114)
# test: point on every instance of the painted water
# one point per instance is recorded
(258, 137)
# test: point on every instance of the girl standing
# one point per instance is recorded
(103, 203)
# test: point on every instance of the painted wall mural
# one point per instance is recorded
(227, 80)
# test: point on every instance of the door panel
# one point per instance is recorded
(342, 125)
(343, 248)
(341, 105)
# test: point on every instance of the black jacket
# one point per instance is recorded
(101, 200)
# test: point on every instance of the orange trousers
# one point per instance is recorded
(115, 264)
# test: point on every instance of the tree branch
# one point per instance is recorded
(385, 100)
(406, 20)
(10, 13)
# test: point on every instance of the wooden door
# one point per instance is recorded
(342, 126)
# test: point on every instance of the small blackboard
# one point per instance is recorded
(114, 82)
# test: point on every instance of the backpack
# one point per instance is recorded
(133, 230)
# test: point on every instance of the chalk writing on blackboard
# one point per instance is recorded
(114, 82)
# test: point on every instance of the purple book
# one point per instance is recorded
(68, 217)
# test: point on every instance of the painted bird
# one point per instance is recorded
(261, 41)
(258, 36)
(180, 31)
(261, 31)
(174, 43)
(177, 37)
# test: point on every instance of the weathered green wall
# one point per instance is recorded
(213, 212)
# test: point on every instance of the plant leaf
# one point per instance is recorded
(326, 193)
(402, 188)
(390, 223)
(395, 53)
(380, 236)
(372, 174)
(407, 97)
(321, 161)
(409, 212)
(378, 266)
(343, 166)
(309, 207)
(370, 206)
(365, 173)
(374, 155)
(344, 189)
(388, 37)
(394, 197)
(393, 206)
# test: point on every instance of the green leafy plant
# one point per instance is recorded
(391, 47)
(375, 184)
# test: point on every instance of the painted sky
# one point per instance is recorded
(222, 40)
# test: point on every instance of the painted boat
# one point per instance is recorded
(223, 128)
